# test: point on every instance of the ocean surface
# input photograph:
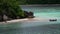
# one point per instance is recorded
(35, 26)
(44, 12)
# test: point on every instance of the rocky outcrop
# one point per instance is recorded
(28, 14)
(31, 15)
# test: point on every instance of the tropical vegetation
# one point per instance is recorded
(11, 9)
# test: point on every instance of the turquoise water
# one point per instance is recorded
(43, 28)
(44, 12)
(35, 27)
(12, 28)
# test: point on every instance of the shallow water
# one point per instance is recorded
(31, 28)
(44, 12)
(35, 27)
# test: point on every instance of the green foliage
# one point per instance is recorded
(11, 8)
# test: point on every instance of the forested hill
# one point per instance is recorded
(39, 1)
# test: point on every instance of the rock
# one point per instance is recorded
(28, 14)
(1, 19)
(5, 17)
(31, 15)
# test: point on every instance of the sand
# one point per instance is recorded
(25, 20)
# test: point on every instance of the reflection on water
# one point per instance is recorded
(35, 27)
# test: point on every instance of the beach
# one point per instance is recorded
(25, 20)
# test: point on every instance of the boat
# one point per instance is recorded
(52, 19)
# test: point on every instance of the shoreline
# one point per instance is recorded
(27, 20)
(43, 5)
(23, 20)
(13, 21)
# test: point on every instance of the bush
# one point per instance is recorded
(10, 8)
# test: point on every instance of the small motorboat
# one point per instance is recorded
(52, 19)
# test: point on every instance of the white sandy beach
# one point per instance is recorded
(26, 20)
(30, 22)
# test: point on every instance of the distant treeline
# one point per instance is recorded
(43, 1)
(39, 1)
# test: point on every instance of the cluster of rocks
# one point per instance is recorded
(28, 14)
